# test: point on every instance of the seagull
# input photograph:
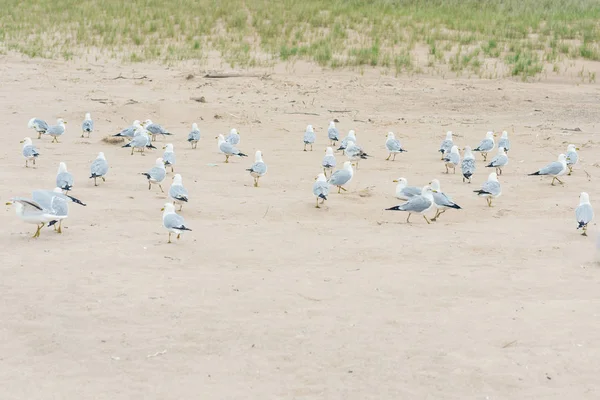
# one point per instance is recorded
(501, 160)
(309, 137)
(328, 162)
(486, 145)
(441, 201)
(584, 212)
(504, 142)
(194, 136)
(169, 156)
(554, 169)
(467, 165)
(342, 176)
(64, 179)
(88, 125)
(233, 137)
(259, 168)
(173, 222)
(154, 129)
(572, 157)
(393, 145)
(355, 153)
(140, 141)
(39, 125)
(405, 192)
(446, 144)
(156, 174)
(31, 212)
(351, 136)
(57, 130)
(56, 203)
(321, 189)
(333, 133)
(129, 132)
(228, 149)
(490, 189)
(99, 168)
(177, 192)
(452, 159)
(420, 204)
(29, 151)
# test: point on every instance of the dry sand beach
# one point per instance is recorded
(270, 298)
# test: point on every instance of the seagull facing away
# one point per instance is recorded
(342, 176)
(309, 137)
(420, 204)
(177, 192)
(486, 145)
(64, 179)
(351, 137)
(29, 151)
(440, 200)
(57, 130)
(405, 192)
(57, 203)
(39, 125)
(329, 161)
(156, 174)
(584, 212)
(333, 133)
(194, 136)
(504, 142)
(169, 156)
(554, 169)
(87, 126)
(467, 165)
(490, 189)
(140, 141)
(172, 222)
(99, 168)
(259, 168)
(393, 145)
(355, 153)
(452, 159)
(572, 157)
(321, 189)
(228, 149)
(233, 137)
(155, 129)
(446, 144)
(501, 160)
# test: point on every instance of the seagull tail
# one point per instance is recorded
(480, 192)
(535, 173)
(242, 154)
(581, 224)
(183, 228)
(52, 223)
(395, 208)
(456, 207)
(74, 200)
(147, 175)
(126, 145)
(322, 196)
(150, 146)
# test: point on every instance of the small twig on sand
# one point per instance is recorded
(234, 75)
(265, 214)
(302, 113)
(234, 116)
(124, 77)
(588, 175)
(308, 298)
(359, 120)
(509, 344)
(340, 111)
(158, 353)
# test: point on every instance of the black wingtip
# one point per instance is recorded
(150, 146)
(127, 145)
(395, 208)
(322, 196)
(581, 224)
(242, 155)
(535, 173)
(147, 175)
(456, 206)
(183, 228)
(481, 192)
(249, 169)
(74, 200)
(468, 176)
(52, 223)
(489, 165)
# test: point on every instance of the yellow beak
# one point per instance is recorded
(8, 203)
(162, 209)
(434, 191)
(576, 148)
(22, 141)
(395, 180)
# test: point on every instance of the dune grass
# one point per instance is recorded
(401, 35)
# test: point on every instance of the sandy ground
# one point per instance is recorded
(270, 298)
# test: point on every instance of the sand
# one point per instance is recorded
(270, 298)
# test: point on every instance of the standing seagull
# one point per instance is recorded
(169, 156)
(177, 192)
(64, 179)
(504, 142)
(99, 168)
(31, 212)
(155, 129)
(351, 137)
(88, 125)
(309, 137)
(173, 222)
(228, 149)
(156, 174)
(467, 165)
(501, 160)
(490, 189)
(584, 212)
(140, 141)
(440, 200)
(259, 168)
(321, 189)
(572, 157)
(452, 159)
(393, 145)
(29, 151)
(342, 176)
(486, 145)
(355, 153)
(333, 133)
(328, 162)
(446, 144)
(194, 136)
(56, 203)
(405, 192)
(129, 132)
(57, 130)
(554, 169)
(420, 204)
(39, 125)
(233, 137)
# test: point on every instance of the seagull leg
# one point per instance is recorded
(95, 184)
(408, 218)
(387, 159)
(584, 231)
(437, 214)
(394, 159)
(149, 185)
(339, 188)
(552, 183)
(559, 181)
(343, 189)
(454, 169)
(178, 235)
(304, 146)
(180, 206)
(132, 150)
(169, 238)
(26, 166)
(161, 189)
(37, 233)
(39, 135)
(570, 169)
(317, 206)
(103, 180)
(59, 227)
(226, 158)
(426, 219)
(447, 168)
(311, 147)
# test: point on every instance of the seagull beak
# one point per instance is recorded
(164, 147)
(162, 209)
(216, 137)
(434, 191)
(22, 141)
(65, 122)
(8, 203)
(576, 148)
(395, 180)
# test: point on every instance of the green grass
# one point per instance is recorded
(457, 34)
